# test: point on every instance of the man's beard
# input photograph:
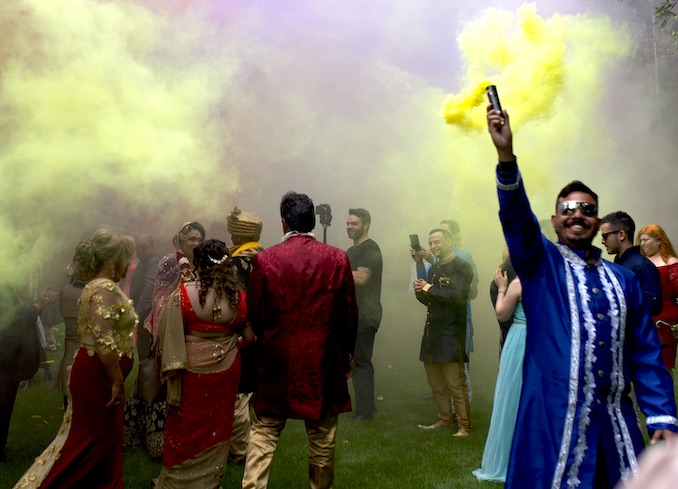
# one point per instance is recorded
(578, 242)
(356, 234)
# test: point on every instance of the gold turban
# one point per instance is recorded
(244, 224)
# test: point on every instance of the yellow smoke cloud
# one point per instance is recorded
(549, 73)
(117, 112)
(105, 118)
(458, 109)
(532, 60)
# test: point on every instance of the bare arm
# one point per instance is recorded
(474, 283)
(507, 297)
(247, 336)
(362, 275)
(111, 362)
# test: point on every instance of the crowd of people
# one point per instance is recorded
(232, 360)
(586, 345)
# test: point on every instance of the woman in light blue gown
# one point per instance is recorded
(509, 382)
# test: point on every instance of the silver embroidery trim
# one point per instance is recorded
(618, 311)
(589, 387)
(662, 419)
(575, 344)
(509, 186)
(616, 386)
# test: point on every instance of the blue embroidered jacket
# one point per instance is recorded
(589, 335)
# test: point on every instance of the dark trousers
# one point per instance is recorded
(8, 390)
(144, 340)
(363, 374)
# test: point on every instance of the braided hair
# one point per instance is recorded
(215, 271)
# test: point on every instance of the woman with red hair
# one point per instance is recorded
(656, 246)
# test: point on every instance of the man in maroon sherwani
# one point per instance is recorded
(302, 306)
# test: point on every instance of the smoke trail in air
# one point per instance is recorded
(106, 119)
(147, 114)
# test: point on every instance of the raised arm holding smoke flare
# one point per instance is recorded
(589, 335)
(502, 137)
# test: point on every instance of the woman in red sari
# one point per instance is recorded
(198, 334)
(145, 423)
(87, 451)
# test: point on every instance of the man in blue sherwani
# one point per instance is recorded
(589, 335)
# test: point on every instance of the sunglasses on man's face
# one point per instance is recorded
(569, 207)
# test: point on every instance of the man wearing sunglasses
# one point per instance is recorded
(617, 230)
(589, 335)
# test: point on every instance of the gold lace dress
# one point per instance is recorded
(87, 451)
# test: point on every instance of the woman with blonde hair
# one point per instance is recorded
(656, 246)
(87, 451)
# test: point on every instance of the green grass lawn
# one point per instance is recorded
(388, 452)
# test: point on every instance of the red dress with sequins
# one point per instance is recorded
(209, 386)
(669, 314)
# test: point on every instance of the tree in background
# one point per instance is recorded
(667, 20)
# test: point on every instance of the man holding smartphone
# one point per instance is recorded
(445, 293)
(423, 261)
(366, 263)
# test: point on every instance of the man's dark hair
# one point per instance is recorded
(363, 214)
(446, 234)
(298, 212)
(454, 226)
(620, 220)
(576, 186)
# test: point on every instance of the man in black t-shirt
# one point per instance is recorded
(366, 263)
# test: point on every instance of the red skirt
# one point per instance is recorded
(205, 416)
(92, 454)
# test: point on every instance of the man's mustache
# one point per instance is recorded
(576, 221)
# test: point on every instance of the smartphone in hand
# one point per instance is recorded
(414, 242)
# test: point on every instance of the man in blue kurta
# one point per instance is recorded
(589, 335)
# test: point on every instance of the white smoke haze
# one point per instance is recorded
(144, 115)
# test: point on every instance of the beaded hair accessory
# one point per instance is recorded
(218, 261)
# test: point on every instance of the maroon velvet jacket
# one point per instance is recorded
(302, 306)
